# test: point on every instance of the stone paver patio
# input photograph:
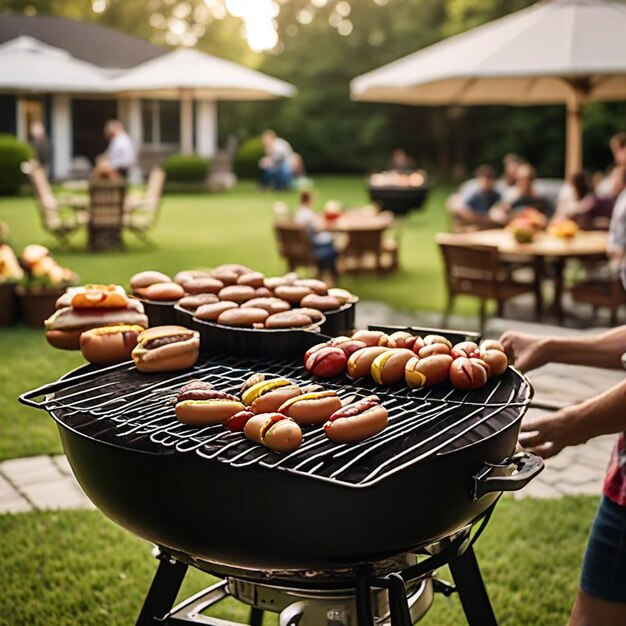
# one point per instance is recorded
(47, 482)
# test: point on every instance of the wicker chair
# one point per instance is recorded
(106, 209)
(142, 213)
(294, 245)
(60, 216)
(478, 271)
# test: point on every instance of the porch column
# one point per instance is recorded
(133, 121)
(21, 131)
(186, 121)
(206, 128)
(61, 135)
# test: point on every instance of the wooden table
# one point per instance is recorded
(543, 248)
(355, 221)
(360, 238)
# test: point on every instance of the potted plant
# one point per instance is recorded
(43, 283)
(10, 273)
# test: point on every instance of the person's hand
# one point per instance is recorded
(548, 434)
(526, 352)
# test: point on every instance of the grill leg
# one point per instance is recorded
(398, 603)
(256, 617)
(364, 614)
(471, 590)
(163, 591)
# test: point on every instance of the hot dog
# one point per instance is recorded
(311, 408)
(166, 349)
(237, 422)
(325, 361)
(427, 372)
(388, 367)
(467, 374)
(215, 408)
(357, 421)
(370, 337)
(275, 431)
(360, 363)
(266, 396)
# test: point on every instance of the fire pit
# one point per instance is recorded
(328, 529)
(399, 192)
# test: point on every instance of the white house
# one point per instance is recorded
(74, 76)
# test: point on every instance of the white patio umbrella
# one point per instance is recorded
(29, 65)
(556, 51)
(187, 74)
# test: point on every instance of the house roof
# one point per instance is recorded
(87, 41)
(27, 64)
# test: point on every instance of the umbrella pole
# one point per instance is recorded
(574, 132)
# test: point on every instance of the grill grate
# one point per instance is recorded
(121, 406)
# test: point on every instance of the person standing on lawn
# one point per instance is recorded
(120, 154)
(276, 171)
(601, 597)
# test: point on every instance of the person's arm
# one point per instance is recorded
(601, 415)
(529, 352)
(466, 210)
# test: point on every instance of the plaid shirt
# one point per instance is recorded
(615, 481)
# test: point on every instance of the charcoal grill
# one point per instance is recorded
(213, 500)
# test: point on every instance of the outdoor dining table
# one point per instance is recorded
(545, 249)
(360, 237)
(359, 221)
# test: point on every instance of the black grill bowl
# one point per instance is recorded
(255, 518)
(223, 500)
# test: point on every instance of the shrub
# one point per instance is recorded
(248, 156)
(12, 154)
(186, 168)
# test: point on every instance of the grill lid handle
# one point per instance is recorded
(510, 475)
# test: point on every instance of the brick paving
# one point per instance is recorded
(39, 483)
(46, 482)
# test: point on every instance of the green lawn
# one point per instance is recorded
(194, 230)
(71, 568)
(207, 229)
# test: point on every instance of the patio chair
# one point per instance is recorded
(478, 271)
(60, 216)
(368, 250)
(106, 208)
(601, 293)
(294, 245)
(142, 213)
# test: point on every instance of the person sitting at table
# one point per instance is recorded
(472, 213)
(400, 161)
(510, 165)
(576, 199)
(120, 154)
(322, 241)
(521, 196)
(604, 187)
